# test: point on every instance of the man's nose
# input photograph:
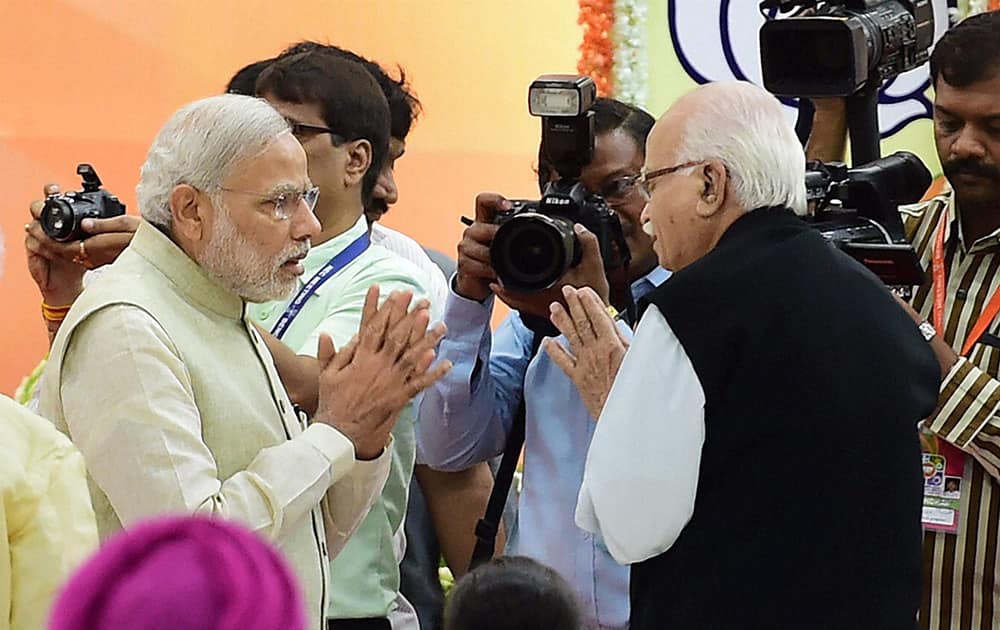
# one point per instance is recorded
(385, 188)
(304, 224)
(968, 144)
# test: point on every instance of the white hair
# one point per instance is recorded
(745, 128)
(200, 145)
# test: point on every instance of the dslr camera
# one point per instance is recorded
(62, 214)
(844, 45)
(535, 244)
(858, 210)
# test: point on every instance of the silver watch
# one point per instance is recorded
(927, 330)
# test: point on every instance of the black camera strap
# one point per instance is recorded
(489, 524)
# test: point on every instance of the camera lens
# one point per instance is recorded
(532, 251)
(58, 219)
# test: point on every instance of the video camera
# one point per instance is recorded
(849, 48)
(535, 244)
(62, 214)
(857, 209)
(844, 46)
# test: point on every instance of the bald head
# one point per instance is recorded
(746, 129)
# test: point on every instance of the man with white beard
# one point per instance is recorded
(163, 384)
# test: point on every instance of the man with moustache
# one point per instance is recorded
(162, 382)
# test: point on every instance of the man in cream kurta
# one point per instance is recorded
(166, 388)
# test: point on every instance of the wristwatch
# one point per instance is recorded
(927, 330)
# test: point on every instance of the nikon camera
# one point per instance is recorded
(62, 214)
(535, 244)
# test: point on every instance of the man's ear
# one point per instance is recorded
(188, 209)
(714, 177)
(357, 161)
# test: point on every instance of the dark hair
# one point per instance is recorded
(245, 79)
(512, 592)
(968, 52)
(609, 115)
(403, 104)
(348, 97)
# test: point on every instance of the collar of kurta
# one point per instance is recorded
(190, 279)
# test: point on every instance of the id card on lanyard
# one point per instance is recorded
(330, 269)
(943, 462)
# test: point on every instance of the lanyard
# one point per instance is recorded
(330, 269)
(940, 284)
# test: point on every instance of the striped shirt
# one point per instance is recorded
(962, 571)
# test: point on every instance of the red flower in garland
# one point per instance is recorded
(597, 18)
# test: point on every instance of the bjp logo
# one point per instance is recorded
(717, 40)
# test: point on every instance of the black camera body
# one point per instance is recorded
(536, 243)
(858, 210)
(844, 46)
(63, 213)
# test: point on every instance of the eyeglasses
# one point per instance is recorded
(286, 203)
(303, 130)
(620, 189)
(644, 179)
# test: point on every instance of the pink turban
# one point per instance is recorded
(182, 573)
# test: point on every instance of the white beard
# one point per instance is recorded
(237, 263)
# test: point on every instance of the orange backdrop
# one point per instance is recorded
(88, 81)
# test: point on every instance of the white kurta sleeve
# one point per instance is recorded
(642, 468)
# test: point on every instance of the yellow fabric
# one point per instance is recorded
(47, 526)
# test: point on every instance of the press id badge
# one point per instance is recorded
(943, 465)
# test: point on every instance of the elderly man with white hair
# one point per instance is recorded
(161, 381)
(755, 458)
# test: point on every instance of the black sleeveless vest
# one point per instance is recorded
(807, 512)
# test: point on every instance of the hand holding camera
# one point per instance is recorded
(475, 271)
(476, 277)
(525, 251)
(70, 233)
(588, 273)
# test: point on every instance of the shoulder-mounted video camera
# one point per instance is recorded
(849, 48)
(857, 209)
(535, 244)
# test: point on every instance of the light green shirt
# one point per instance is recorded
(364, 578)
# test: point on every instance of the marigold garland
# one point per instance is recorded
(597, 49)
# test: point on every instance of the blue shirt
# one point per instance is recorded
(465, 419)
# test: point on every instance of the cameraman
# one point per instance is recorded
(467, 419)
(957, 235)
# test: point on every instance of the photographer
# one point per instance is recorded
(956, 235)
(712, 470)
(467, 419)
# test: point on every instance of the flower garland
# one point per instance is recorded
(597, 50)
(631, 71)
(972, 7)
